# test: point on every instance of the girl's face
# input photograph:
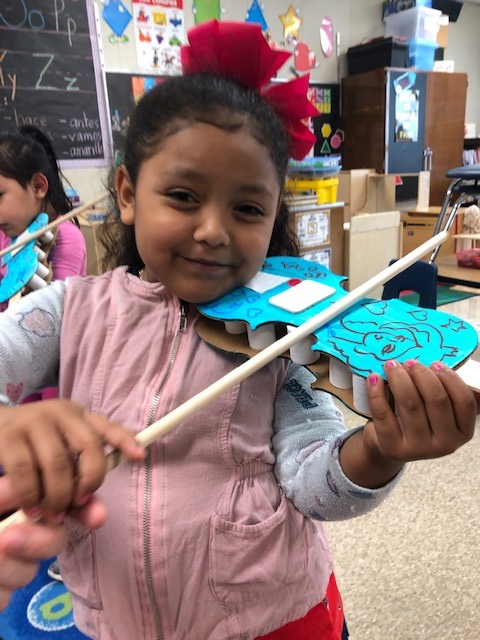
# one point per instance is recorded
(203, 208)
(19, 205)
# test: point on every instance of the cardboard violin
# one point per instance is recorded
(287, 292)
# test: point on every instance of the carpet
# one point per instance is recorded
(41, 610)
(445, 295)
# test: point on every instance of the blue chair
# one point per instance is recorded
(421, 277)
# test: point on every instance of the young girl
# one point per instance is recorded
(30, 182)
(217, 532)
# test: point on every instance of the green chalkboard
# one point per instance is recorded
(48, 76)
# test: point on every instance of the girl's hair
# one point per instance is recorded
(27, 152)
(179, 102)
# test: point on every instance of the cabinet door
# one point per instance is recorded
(444, 127)
(406, 100)
(363, 120)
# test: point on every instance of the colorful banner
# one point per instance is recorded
(159, 33)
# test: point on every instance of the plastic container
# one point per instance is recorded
(324, 188)
(421, 54)
(315, 167)
(395, 6)
(381, 52)
(418, 23)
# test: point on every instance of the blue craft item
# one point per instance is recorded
(255, 15)
(21, 266)
(116, 15)
(364, 336)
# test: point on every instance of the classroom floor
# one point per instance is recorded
(410, 570)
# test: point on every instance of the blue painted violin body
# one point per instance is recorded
(364, 336)
(23, 264)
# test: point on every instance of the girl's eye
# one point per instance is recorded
(250, 210)
(182, 196)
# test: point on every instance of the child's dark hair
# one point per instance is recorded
(27, 152)
(178, 102)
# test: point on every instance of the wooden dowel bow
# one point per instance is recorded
(52, 225)
(167, 423)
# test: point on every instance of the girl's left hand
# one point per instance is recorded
(434, 414)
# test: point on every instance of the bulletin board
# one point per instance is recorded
(50, 77)
(124, 90)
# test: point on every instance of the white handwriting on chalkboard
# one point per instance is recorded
(39, 85)
(11, 77)
(36, 20)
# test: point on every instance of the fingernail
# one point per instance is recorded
(84, 499)
(410, 363)
(391, 364)
(438, 366)
(59, 519)
(373, 378)
(33, 512)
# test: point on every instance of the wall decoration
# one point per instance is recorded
(304, 58)
(291, 24)
(159, 34)
(117, 17)
(327, 37)
(204, 10)
(255, 14)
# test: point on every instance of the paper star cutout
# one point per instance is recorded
(291, 23)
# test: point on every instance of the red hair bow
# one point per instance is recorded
(240, 51)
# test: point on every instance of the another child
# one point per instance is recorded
(218, 532)
(31, 183)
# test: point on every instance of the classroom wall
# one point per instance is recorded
(356, 21)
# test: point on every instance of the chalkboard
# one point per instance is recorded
(47, 76)
(124, 90)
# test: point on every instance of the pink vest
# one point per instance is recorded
(200, 543)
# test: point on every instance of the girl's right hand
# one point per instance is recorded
(53, 454)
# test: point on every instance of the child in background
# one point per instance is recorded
(218, 532)
(31, 183)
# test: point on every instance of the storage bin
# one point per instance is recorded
(417, 23)
(324, 188)
(421, 54)
(381, 52)
(394, 6)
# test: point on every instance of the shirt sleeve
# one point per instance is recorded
(309, 433)
(30, 343)
(69, 253)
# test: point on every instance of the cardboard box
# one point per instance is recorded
(90, 231)
(418, 227)
(320, 232)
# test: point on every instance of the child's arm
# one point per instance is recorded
(436, 415)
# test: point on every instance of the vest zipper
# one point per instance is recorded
(181, 328)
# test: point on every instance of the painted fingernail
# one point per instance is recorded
(438, 366)
(33, 512)
(373, 379)
(391, 364)
(84, 499)
(410, 363)
(60, 518)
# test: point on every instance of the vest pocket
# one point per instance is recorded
(249, 561)
(77, 564)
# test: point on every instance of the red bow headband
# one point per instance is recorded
(240, 51)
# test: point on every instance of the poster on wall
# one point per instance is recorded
(159, 28)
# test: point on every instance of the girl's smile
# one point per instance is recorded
(203, 206)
